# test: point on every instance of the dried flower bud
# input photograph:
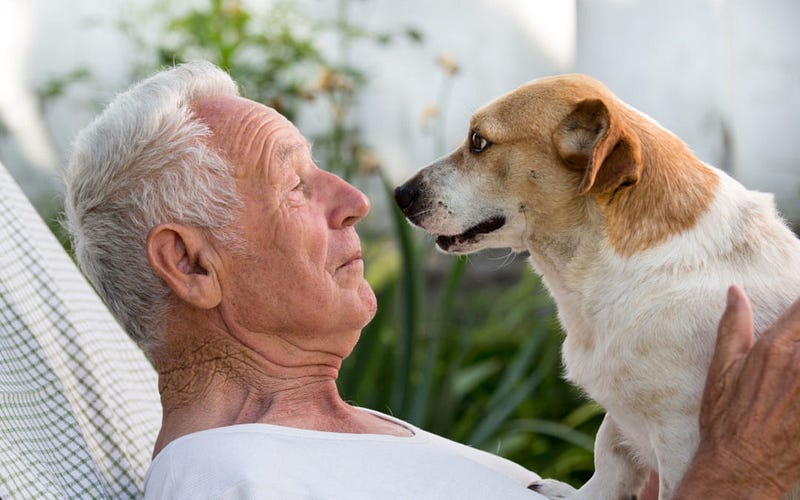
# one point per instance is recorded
(428, 115)
(448, 63)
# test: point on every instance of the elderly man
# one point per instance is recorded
(233, 261)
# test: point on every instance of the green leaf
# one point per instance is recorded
(467, 379)
(583, 414)
(555, 429)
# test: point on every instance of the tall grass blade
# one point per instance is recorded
(411, 296)
(555, 429)
(444, 317)
(499, 413)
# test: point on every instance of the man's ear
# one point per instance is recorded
(184, 258)
(597, 143)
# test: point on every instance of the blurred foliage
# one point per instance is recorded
(277, 58)
(473, 361)
(57, 86)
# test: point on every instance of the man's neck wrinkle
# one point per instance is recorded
(194, 373)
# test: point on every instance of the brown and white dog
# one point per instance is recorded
(636, 239)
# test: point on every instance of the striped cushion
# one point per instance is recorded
(79, 407)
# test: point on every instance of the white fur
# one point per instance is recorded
(667, 300)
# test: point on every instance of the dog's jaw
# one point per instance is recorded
(462, 220)
(462, 242)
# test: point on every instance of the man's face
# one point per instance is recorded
(300, 275)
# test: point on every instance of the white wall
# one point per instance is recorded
(723, 74)
(497, 44)
(44, 39)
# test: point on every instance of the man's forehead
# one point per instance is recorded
(219, 109)
(251, 134)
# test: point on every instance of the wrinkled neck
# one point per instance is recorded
(209, 379)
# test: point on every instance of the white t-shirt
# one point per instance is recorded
(262, 461)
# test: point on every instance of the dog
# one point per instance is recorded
(637, 241)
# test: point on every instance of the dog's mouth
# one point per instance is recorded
(448, 243)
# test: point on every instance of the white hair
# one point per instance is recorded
(145, 161)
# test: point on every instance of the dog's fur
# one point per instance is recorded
(637, 241)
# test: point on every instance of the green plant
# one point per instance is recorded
(276, 58)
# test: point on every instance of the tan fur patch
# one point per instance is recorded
(674, 190)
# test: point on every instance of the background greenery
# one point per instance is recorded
(468, 349)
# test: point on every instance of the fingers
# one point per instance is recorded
(788, 325)
(735, 333)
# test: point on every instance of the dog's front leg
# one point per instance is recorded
(675, 445)
(617, 476)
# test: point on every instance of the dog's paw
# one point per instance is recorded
(553, 489)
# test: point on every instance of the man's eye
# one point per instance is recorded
(477, 142)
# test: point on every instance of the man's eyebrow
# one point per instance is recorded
(285, 151)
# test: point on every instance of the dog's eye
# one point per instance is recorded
(477, 142)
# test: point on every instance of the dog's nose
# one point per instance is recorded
(405, 195)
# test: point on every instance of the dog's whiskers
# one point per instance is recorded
(507, 259)
(419, 214)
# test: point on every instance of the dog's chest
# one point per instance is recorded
(640, 329)
(643, 351)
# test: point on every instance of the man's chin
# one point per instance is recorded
(370, 302)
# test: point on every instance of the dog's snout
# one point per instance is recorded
(405, 195)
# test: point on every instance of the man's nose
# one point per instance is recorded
(350, 204)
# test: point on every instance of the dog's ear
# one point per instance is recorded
(595, 142)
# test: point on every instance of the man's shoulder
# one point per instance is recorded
(225, 462)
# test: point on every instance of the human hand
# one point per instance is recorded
(750, 415)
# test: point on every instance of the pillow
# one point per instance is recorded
(79, 405)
